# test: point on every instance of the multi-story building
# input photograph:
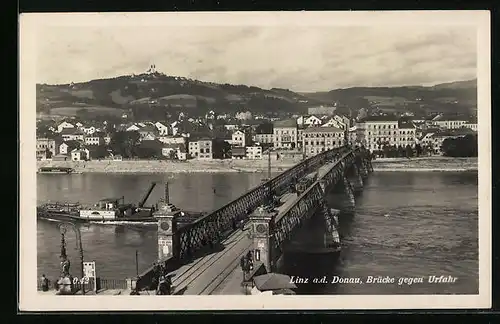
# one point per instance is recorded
(300, 136)
(254, 152)
(377, 131)
(285, 134)
(64, 125)
(319, 139)
(308, 120)
(94, 140)
(72, 134)
(471, 124)
(162, 129)
(44, 145)
(205, 149)
(264, 134)
(448, 122)
(241, 138)
(352, 135)
(433, 140)
(172, 139)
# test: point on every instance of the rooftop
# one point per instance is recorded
(373, 119)
(406, 125)
(323, 130)
(288, 123)
(449, 117)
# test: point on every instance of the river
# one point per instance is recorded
(406, 224)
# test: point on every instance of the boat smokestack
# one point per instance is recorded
(167, 198)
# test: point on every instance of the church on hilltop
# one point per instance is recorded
(152, 69)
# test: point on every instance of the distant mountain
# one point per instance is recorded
(157, 95)
(453, 97)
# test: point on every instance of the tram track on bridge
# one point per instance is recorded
(221, 277)
(192, 273)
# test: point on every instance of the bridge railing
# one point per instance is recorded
(196, 235)
(285, 222)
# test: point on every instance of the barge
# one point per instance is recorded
(56, 170)
(107, 211)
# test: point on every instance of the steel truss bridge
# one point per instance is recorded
(193, 250)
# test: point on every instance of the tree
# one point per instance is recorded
(98, 152)
(418, 150)
(124, 143)
(460, 147)
(408, 151)
(401, 151)
(172, 155)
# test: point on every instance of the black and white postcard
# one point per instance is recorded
(255, 160)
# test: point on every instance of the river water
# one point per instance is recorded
(406, 224)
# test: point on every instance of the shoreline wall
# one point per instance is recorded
(226, 166)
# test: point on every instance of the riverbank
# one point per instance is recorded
(427, 164)
(218, 166)
(163, 166)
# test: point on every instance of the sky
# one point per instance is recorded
(299, 58)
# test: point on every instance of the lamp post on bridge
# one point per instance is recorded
(65, 264)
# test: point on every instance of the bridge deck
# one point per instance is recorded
(288, 200)
(325, 168)
(205, 275)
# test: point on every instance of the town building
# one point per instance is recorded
(375, 132)
(238, 152)
(285, 134)
(132, 128)
(434, 141)
(64, 125)
(254, 152)
(148, 133)
(46, 147)
(264, 133)
(320, 139)
(352, 136)
(308, 120)
(205, 149)
(107, 139)
(172, 139)
(162, 129)
(88, 130)
(177, 151)
(79, 155)
(72, 134)
(96, 139)
(66, 147)
(471, 124)
(448, 122)
(241, 138)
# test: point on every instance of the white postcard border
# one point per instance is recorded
(30, 300)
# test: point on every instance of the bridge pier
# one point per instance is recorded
(261, 230)
(168, 240)
(356, 179)
(349, 202)
(331, 237)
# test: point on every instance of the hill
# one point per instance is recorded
(158, 96)
(453, 97)
(153, 95)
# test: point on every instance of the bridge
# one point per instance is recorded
(204, 254)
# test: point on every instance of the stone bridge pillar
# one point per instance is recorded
(168, 240)
(356, 179)
(331, 237)
(363, 167)
(261, 230)
(349, 192)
